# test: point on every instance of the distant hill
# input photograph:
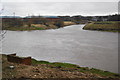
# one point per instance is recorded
(50, 16)
(41, 17)
(10, 17)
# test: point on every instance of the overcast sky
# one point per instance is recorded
(25, 7)
(59, 0)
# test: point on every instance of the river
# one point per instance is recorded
(70, 44)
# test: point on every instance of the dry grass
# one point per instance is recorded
(68, 23)
(113, 26)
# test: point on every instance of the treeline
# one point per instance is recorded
(79, 18)
(115, 17)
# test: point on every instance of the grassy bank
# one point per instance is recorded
(54, 25)
(111, 26)
(32, 27)
(45, 69)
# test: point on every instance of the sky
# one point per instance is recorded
(59, 8)
(60, 0)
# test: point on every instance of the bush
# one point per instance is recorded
(12, 22)
(59, 23)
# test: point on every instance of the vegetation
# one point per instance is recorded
(11, 23)
(66, 23)
(55, 64)
(59, 23)
(35, 62)
(112, 26)
(104, 23)
(21, 24)
(79, 18)
(24, 28)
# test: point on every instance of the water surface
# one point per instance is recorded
(69, 44)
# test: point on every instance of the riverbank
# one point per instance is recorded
(46, 26)
(111, 26)
(27, 28)
(45, 69)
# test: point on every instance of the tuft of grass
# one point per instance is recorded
(39, 28)
(35, 62)
(67, 65)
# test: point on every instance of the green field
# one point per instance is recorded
(112, 26)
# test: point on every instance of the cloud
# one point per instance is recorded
(60, 8)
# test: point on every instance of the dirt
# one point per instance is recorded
(42, 71)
